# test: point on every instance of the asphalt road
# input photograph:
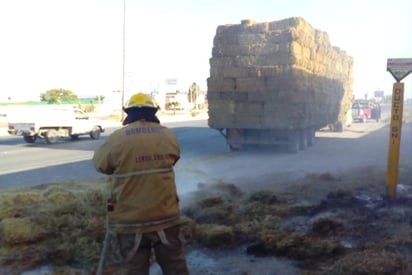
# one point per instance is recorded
(205, 157)
(24, 164)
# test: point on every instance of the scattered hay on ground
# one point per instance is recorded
(300, 247)
(215, 236)
(57, 224)
(20, 230)
(370, 261)
(342, 222)
(339, 232)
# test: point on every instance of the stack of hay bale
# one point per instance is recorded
(282, 74)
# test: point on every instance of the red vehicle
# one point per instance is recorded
(363, 110)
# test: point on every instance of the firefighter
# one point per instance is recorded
(143, 209)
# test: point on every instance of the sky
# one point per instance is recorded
(78, 44)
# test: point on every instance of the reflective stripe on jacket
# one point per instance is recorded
(140, 158)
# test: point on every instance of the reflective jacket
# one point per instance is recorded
(140, 158)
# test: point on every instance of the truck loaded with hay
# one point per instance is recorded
(276, 83)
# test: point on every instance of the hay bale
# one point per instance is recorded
(294, 246)
(61, 197)
(20, 230)
(215, 236)
(369, 261)
(27, 198)
(324, 226)
(255, 210)
(263, 196)
(272, 57)
(213, 210)
(209, 202)
(250, 229)
(187, 228)
(10, 212)
(217, 215)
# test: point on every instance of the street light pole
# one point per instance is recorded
(124, 55)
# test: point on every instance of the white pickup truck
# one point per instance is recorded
(52, 123)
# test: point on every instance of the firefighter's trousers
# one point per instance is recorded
(169, 256)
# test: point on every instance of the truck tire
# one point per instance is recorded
(339, 126)
(95, 133)
(29, 139)
(303, 141)
(234, 139)
(234, 148)
(51, 136)
(310, 136)
(294, 142)
(74, 137)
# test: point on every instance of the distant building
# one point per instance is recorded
(181, 98)
(379, 95)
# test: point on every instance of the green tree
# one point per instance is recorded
(194, 91)
(58, 95)
(100, 98)
(174, 105)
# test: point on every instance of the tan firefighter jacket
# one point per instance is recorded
(140, 158)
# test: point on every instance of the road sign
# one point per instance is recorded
(395, 138)
(379, 94)
(171, 81)
(399, 67)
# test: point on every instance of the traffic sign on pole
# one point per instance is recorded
(395, 132)
(399, 67)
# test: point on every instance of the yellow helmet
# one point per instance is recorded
(140, 100)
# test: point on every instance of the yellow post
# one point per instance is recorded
(394, 138)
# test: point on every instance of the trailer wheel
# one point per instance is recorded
(310, 136)
(51, 136)
(339, 126)
(235, 147)
(303, 141)
(95, 133)
(29, 139)
(293, 147)
(294, 142)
